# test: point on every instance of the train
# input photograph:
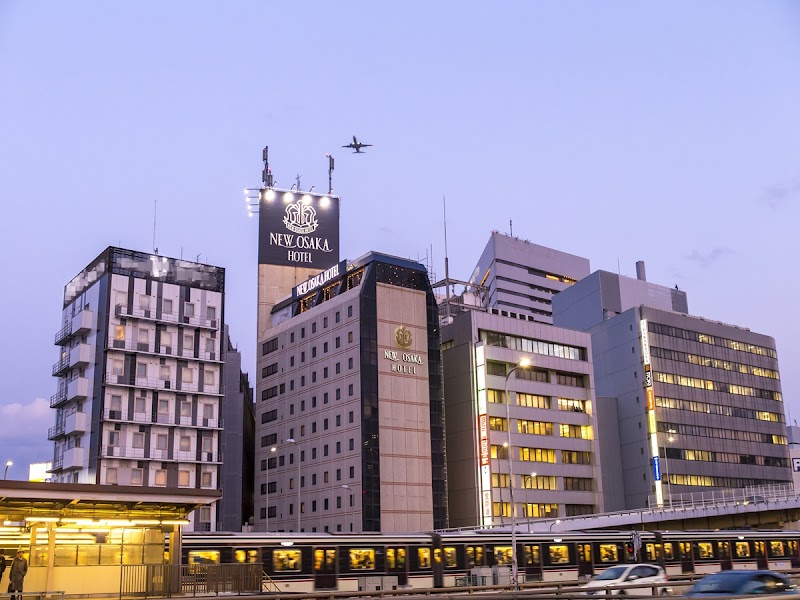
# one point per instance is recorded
(310, 562)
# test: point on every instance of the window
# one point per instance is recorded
(325, 348)
(352, 472)
(269, 346)
(350, 311)
(350, 363)
(338, 474)
(166, 306)
(350, 417)
(351, 444)
(338, 393)
(119, 333)
(141, 370)
(338, 368)
(188, 342)
(349, 337)
(338, 420)
(163, 373)
(206, 479)
(144, 302)
(163, 407)
(338, 447)
(338, 316)
(291, 338)
(117, 367)
(185, 443)
(291, 361)
(187, 375)
(186, 408)
(302, 333)
(211, 313)
(338, 342)
(144, 336)
(111, 475)
(161, 477)
(136, 476)
(113, 438)
(269, 370)
(162, 441)
(138, 440)
(314, 327)
(139, 404)
(183, 478)
(188, 309)
(324, 372)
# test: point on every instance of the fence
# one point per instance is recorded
(164, 581)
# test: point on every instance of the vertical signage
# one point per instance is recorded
(484, 463)
(652, 425)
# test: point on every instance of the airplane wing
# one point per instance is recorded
(365, 145)
(348, 146)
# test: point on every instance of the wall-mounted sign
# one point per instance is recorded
(483, 428)
(402, 336)
(314, 283)
(298, 229)
(404, 362)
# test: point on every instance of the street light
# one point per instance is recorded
(8, 464)
(670, 439)
(297, 444)
(273, 449)
(352, 506)
(532, 476)
(523, 363)
(556, 522)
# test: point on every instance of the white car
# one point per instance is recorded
(616, 578)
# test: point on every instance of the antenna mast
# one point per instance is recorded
(446, 264)
(155, 212)
(330, 173)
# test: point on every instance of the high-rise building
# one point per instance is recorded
(698, 403)
(237, 444)
(349, 422)
(530, 435)
(139, 375)
(516, 276)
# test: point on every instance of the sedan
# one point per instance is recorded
(742, 583)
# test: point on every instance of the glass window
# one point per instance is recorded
(502, 555)
(608, 553)
(424, 555)
(183, 478)
(203, 557)
(396, 558)
(705, 550)
(449, 555)
(532, 555)
(558, 554)
(185, 443)
(362, 559)
(776, 549)
(286, 560)
(161, 477)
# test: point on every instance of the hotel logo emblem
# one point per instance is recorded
(300, 218)
(403, 337)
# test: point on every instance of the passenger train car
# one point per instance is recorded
(309, 562)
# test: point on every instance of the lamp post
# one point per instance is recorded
(5, 473)
(532, 476)
(297, 445)
(523, 363)
(670, 439)
(556, 522)
(271, 450)
(352, 506)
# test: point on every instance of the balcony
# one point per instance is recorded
(73, 458)
(161, 419)
(78, 325)
(56, 431)
(77, 389)
(151, 383)
(158, 454)
(79, 356)
(61, 367)
(75, 423)
(59, 398)
(121, 311)
(163, 350)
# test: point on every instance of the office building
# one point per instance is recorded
(698, 403)
(548, 408)
(139, 375)
(516, 276)
(349, 422)
(237, 444)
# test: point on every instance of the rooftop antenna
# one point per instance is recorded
(298, 182)
(330, 173)
(511, 227)
(446, 264)
(155, 212)
(266, 174)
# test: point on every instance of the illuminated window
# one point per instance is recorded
(497, 424)
(558, 554)
(362, 559)
(119, 332)
(246, 556)
(609, 554)
(535, 427)
(185, 443)
(449, 555)
(183, 478)
(532, 555)
(705, 550)
(503, 555)
(474, 556)
(495, 396)
(424, 555)
(286, 560)
(203, 557)
(160, 477)
(776, 549)
(396, 558)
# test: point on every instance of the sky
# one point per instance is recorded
(667, 132)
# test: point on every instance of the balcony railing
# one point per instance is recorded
(58, 398)
(160, 454)
(64, 334)
(161, 419)
(152, 383)
(122, 311)
(162, 350)
(58, 461)
(61, 367)
(55, 431)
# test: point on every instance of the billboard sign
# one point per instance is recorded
(298, 229)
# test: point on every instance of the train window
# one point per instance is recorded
(532, 555)
(424, 555)
(705, 550)
(474, 556)
(204, 557)
(792, 548)
(669, 551)
(286, 560)
(723, 550)
(558, 554)
(608, 553)
(759, 546)
(362, 559)
(396, 558)
(776, 549)
(449, 557)
(742, 550)
(686, 550)
(245, 556)
(324, 559)
(502, 555)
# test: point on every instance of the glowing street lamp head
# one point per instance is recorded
(524, 362)
(306, 199)
(288, 197)
(324, 202)
(268, 195)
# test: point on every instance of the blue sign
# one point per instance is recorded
(656, 469)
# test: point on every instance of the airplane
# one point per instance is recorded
(357, 146)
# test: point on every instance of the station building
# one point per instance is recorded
(686, 404)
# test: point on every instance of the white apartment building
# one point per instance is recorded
(139, 375)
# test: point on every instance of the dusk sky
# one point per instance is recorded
(667, 132)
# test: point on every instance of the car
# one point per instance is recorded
(614, 579)
(742, 583)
